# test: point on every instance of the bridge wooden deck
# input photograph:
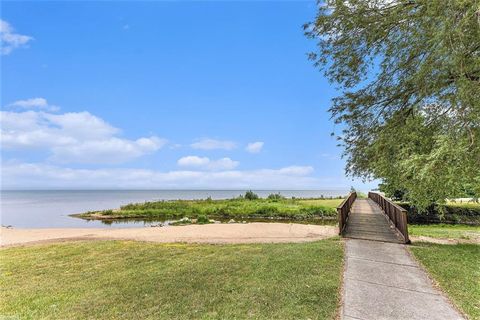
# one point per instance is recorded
(367, 221)
(376, 218)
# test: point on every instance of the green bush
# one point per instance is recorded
(202, 219)
(250, 195)
(275, 196)
(445, 213)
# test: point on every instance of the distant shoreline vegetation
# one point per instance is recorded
(247, 206)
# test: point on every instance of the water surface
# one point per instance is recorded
(51, 209)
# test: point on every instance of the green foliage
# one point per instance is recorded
(281, 208)
(361, 195)
(455, 269)
(444, 213)
(410, 74)
(392, 192)
(202, 219)
(139, 280)
(275, 196)
(250, 195)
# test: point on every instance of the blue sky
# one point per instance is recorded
(164, 95)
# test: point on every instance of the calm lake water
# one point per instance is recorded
(51, 209)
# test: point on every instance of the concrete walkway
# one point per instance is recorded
(382, 281)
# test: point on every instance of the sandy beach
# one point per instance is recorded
(212, 233)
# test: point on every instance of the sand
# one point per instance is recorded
(474, 240)
(211, 233)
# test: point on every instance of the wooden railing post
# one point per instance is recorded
(343, 210)
(404, 223)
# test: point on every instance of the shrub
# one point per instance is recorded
(202, 219)
(250, 195)
(275, 196)
(444, 213)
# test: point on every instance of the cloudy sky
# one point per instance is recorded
(160, 95)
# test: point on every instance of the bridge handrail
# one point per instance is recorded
(396, 214)
(343, 210)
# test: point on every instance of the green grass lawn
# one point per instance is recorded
(135, 280)
(445, 231)
(239, 208)
(456, 268)
(329, 203)
(472, 205)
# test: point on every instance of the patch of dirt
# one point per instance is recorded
(475, 240)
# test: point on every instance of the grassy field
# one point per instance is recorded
(239, 208)
(133, 280)
(472, 205)
(456, 268)
(445, 231)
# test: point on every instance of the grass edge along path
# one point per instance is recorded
(127, 280)
(456, 270)
(445, 231)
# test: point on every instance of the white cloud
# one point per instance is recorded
(297, 170)
(78, 137)
(224, 164)
(193, 161)
(254, 147)
(9, 39)
(82, 125)
(112, 150)
(33, 103)
(211, 144)
(29, 103)
(35, 175)
(206, 163)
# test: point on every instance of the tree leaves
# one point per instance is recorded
(410, 74)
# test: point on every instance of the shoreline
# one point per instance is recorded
(256, 232)
(248, 207)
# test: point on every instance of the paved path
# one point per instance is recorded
(382, 281)
(367, 221)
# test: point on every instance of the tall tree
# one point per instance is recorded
(410, 104)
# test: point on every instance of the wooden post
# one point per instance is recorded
(343, 210)
(340, 221)
(405, 225)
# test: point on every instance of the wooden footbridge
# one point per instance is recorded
(376, 218)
